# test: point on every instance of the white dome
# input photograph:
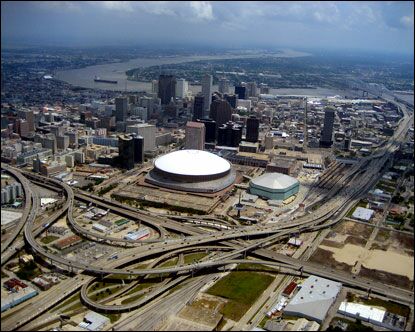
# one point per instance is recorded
(192, 163)
(274, 181)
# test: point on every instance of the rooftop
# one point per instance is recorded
(274, 181)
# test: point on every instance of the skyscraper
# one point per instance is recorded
(223, 85)
(166, 88)
(251, 89)
(210, 130)
(240, 91)
(326, 139)
(155, 86)
(121, 108)
(198, 108)
(230, 134)
(126, 151)
(195, 136)
(221, 112)
(252, 129)
(231, 99)
(181, 88)
(207, 93)
(29, 117)
(138, 142)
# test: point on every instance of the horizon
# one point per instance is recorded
(368, 27)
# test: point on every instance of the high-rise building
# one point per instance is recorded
(62, 142)
(231, 99)
(223, 85)
(181, 88)
(195, 136)
(251, 89)
(121, 108)
(221, 112)
(148, 132)
(252, 129)
(210, 130)
(326, 139)
(240, 91)
(29, 117)
(138, 148)
(198, 108)
(207, 93)
(230, 134)
(263, 88)
(126, 151)
(155, 86)
(166, 88)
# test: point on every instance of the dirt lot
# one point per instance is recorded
(387, 278)
(325, 258)
(353, 228)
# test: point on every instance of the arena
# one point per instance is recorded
(275, 186)
(192, 171)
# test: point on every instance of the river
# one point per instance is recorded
(84, 77)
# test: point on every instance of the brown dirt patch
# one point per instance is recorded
(325, 257)
(405, 240)
(379, 246)
(330, 243)
(387, 278)
(356, 240)
(354, 228)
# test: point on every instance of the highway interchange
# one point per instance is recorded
(323, 209)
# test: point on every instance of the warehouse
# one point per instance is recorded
(314, 299)
(274, 186)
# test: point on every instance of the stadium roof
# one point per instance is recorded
(274, 181)
(192, 162)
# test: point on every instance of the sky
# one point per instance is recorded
(370, 26)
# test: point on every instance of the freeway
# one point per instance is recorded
(326, 216)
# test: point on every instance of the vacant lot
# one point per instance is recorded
(241, 289)
(325, 257)
(387, 278)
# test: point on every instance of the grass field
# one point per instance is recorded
(49, 239)
(241, 288)
(189, 258)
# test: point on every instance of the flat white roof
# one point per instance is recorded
(362, 310)
(192, 162)
(363, 213)
(9, 216)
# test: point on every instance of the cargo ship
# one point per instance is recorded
(99, 80)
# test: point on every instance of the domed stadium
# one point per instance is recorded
(192, 171)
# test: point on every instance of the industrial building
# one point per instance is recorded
(314, 299)
(363, 214)
(274, 186)
(192, 170)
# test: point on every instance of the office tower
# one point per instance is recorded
(326, 139)
(73, 139)
(166, 88)
(223, 85)
(29, 117)
(347, 142)
(126, 151)
(181, 88)
(198, 107)
(22, 127)
(230, 134)
(195, 136)
(132, 99)
(62, 142)
(221, 112)
(155, 86)
(138, 148)
(108, 122)
(121, 108)
(148, 132)
(85, 115)
(207, 93)
(210, 130)
(215, 96)
(263, 88)
(252, 129)
(231, 99)
(251, 89)
(240, 91)
(49, 142)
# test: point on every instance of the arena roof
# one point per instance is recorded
(192, 162)
(274, 181)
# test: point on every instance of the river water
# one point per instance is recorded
(84, 77)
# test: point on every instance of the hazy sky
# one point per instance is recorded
(374, 26)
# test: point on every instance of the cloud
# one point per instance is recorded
(407, 21)
(116, 5)
(202, 9)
